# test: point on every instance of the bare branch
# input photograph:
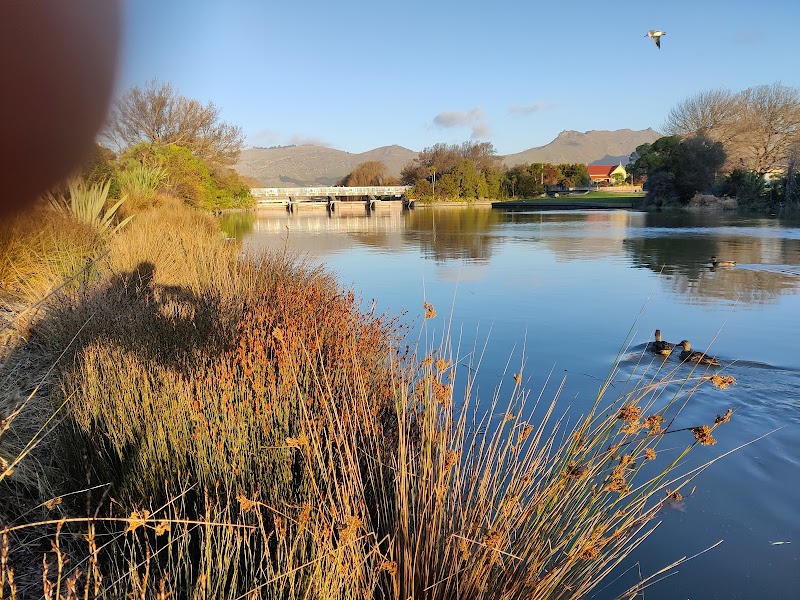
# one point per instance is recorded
(157, 115)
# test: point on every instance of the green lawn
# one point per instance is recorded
(607, 197)
(622, 197)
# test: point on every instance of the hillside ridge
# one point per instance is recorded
(302, 165)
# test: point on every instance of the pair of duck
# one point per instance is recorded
(687, 354)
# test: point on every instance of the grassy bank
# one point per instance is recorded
(183, 421)
(606, 197)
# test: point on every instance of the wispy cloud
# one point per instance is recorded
(529, 109)
(302, 140)
(265, 137)
(473, 118)
(270, 137)
(481, 131)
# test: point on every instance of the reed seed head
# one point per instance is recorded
(630, 412)
(703, 435)
(723, 418)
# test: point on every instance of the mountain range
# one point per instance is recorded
(287, 166)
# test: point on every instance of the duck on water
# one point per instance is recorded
(659, 346)
(722, 263)
(701, 358)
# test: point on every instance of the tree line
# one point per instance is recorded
(739, 144)
(468, 171)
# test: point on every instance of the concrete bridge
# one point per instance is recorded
(299, 194)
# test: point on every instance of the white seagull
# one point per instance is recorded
(656, 35)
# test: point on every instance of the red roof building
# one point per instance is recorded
(605, 173)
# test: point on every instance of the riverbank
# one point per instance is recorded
(562, 204)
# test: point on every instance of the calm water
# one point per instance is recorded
(565, 289)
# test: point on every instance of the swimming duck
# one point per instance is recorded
(655, 35)
(701, 358)
(722, 263)
(659, 346)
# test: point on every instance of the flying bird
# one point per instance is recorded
(656, 35)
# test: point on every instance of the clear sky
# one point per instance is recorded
(356, 75)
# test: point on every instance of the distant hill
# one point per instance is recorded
(592, 147)
(287, 166)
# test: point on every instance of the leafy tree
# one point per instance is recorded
(448, 186)
(468, 170)
(483, 186)
(494, 182)
(527, 180)
(372, 172)
(573, 174)
(552, 174)
(677, 169)
(422, 189)
(466, 175)
(157, 115)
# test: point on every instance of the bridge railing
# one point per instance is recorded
(308, 192)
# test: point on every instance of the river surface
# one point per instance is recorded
(566, 291)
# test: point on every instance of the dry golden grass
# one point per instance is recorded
(239, 427)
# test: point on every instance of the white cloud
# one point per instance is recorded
(530, 109)
(446, 120)
(473, 118)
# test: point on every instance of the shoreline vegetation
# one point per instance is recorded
(183, 421)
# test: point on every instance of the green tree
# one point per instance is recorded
(467, 177)
(677, 169)
(448, 186)
(494, 182)
(446, 159)
(748, 187)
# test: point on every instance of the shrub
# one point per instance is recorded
(709, 202)
(141, 183)
(189, 177)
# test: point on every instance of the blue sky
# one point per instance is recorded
(356, 75)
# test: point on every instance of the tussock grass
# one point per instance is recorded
(39, 250)
(240, 427)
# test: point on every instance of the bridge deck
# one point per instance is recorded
(285, 194)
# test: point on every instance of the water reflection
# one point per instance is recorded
(237, 224)
(454, 233)
(585, 235)
(678, 247)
